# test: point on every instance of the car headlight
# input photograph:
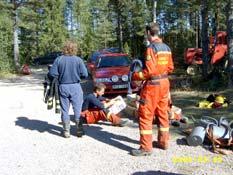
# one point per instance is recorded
(101, 80)
(124, 78)
(114, 78)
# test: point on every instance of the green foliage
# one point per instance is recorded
(6, 42)
(95, 24)
(95, 30)
(53, 31)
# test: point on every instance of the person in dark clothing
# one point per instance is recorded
(95, 108)
(70, 69)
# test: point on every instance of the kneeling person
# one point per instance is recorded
(95, 108)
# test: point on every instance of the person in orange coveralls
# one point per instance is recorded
(154, 94)
(95, 108)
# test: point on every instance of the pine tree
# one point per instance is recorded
(103, 28)
(85, 26)
(29, 27)
(52, 27)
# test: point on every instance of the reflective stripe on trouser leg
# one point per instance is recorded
(146, 115)
(163, 118)
(163, 127)
(146, 132)
(149, 98)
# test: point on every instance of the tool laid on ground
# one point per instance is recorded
(198, 133)
(219, 132)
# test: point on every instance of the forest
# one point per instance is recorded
(29, 28)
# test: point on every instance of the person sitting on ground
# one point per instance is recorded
(95, 108)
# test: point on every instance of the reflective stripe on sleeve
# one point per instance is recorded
(148, 57)
(141, 76)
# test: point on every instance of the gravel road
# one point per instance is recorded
(30, 142)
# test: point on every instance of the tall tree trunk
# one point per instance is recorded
(197, 29)
(230, 40)
(154, 11)
(215, 21)
(205, 39)
(119, 27)
(16, 44)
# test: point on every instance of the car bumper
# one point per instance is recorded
(118, 89)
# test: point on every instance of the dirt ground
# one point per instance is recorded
(31, 143)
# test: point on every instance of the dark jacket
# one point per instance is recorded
(51, 92)
(68, 69)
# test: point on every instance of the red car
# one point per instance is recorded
(112, 69)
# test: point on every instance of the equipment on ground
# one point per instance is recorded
(214, 101)
(217, 53)
(219, 132)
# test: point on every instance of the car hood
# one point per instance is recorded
(110, 71)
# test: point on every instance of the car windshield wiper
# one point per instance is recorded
(113, 66)
(123, 65)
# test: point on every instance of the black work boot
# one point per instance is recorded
(66, 130)
(79, 127)
(140, 152)
(157, 145)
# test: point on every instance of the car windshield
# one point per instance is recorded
(112, 61)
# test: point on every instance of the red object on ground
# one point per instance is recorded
(26, 70)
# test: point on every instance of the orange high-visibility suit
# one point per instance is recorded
(94, 115)
(154, 94)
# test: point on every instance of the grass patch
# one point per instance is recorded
(6, 75)
(187, 101)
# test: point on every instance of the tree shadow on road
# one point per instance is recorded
(97, 133)
(37, 125)
(155, 173)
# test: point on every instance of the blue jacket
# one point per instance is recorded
(68, 69)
